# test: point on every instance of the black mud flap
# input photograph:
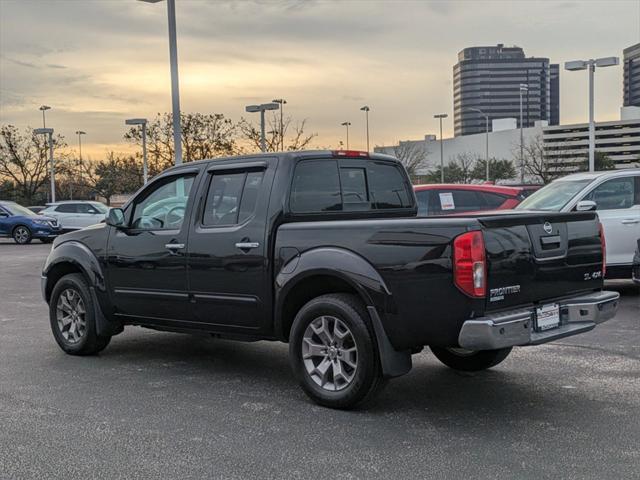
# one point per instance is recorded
(394, 363)
(103, 326)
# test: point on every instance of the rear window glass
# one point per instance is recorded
(387, 187)
(493, 200)
(423, 202)
(325, 186)
(316, 187)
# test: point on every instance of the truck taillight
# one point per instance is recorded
(603, 243)
(469, 264)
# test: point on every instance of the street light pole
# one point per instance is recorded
(44, 108)
(262, 108)
(592, 125)
(281, 102)
(49, 132)
(79, 164)
(440, 116)
(175, 87)
(523, 88)
(591, 66)
(346, 124)
(366, 109)
(143, 124)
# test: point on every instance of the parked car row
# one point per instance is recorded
(45, 223)
(615, 195)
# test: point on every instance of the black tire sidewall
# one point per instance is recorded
(479, 360)
(15, 230)
(77, 282)
(367, 371)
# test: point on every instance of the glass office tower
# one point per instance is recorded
(489, 78)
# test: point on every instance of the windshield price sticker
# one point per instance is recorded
(446, 201)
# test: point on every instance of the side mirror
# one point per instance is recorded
(4, 215)
(586, 206)
(116, 218)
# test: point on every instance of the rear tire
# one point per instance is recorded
(72, 317)
(22, 235)
(333, 352)
(470, 360)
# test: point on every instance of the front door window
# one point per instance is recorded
(164, 207)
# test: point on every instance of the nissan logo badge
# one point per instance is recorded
(547, 227)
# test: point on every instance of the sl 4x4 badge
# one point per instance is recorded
(496, 294)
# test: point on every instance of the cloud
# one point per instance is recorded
(98, 62)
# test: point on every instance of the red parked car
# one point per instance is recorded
(451, 199)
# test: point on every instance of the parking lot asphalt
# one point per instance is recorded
(162, 405)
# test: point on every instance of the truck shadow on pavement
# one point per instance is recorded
(430, 392)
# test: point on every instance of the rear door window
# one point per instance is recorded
(231, 198)
(67, 208)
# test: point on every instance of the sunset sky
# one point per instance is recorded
(97, 62)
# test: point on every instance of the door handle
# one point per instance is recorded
(247, 245)
(174, 246)
(630, 221)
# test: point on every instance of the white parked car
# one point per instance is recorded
(74, 215)
(614, 194)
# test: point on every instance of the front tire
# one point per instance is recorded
(46, 240)
(470, 360)
(22, 235)
(333, 352)
(72, 317)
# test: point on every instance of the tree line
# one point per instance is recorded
(24, 156)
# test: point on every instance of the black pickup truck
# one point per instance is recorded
(323, 250)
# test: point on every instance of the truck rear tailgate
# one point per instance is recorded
(538, 256)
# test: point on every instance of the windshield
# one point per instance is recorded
(16, 209)
(554, 196)
(102, 208)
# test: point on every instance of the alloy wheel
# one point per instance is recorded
(21, 235)
(329, 353)
(71, 315)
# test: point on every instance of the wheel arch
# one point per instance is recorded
(321, 271)
(72, 257)
(21, 224)
(75, 257)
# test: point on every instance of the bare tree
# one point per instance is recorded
(203, 136)
(113, 175)
(412, 155)
(24, 160)
(297, 140)
(535, 163)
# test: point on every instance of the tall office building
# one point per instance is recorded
(489, 78)
(632, 76)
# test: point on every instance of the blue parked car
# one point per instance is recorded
(23, 225)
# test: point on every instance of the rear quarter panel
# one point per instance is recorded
(413, 257)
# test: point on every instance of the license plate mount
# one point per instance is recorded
(547, 317)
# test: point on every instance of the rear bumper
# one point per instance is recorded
(513, 328)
